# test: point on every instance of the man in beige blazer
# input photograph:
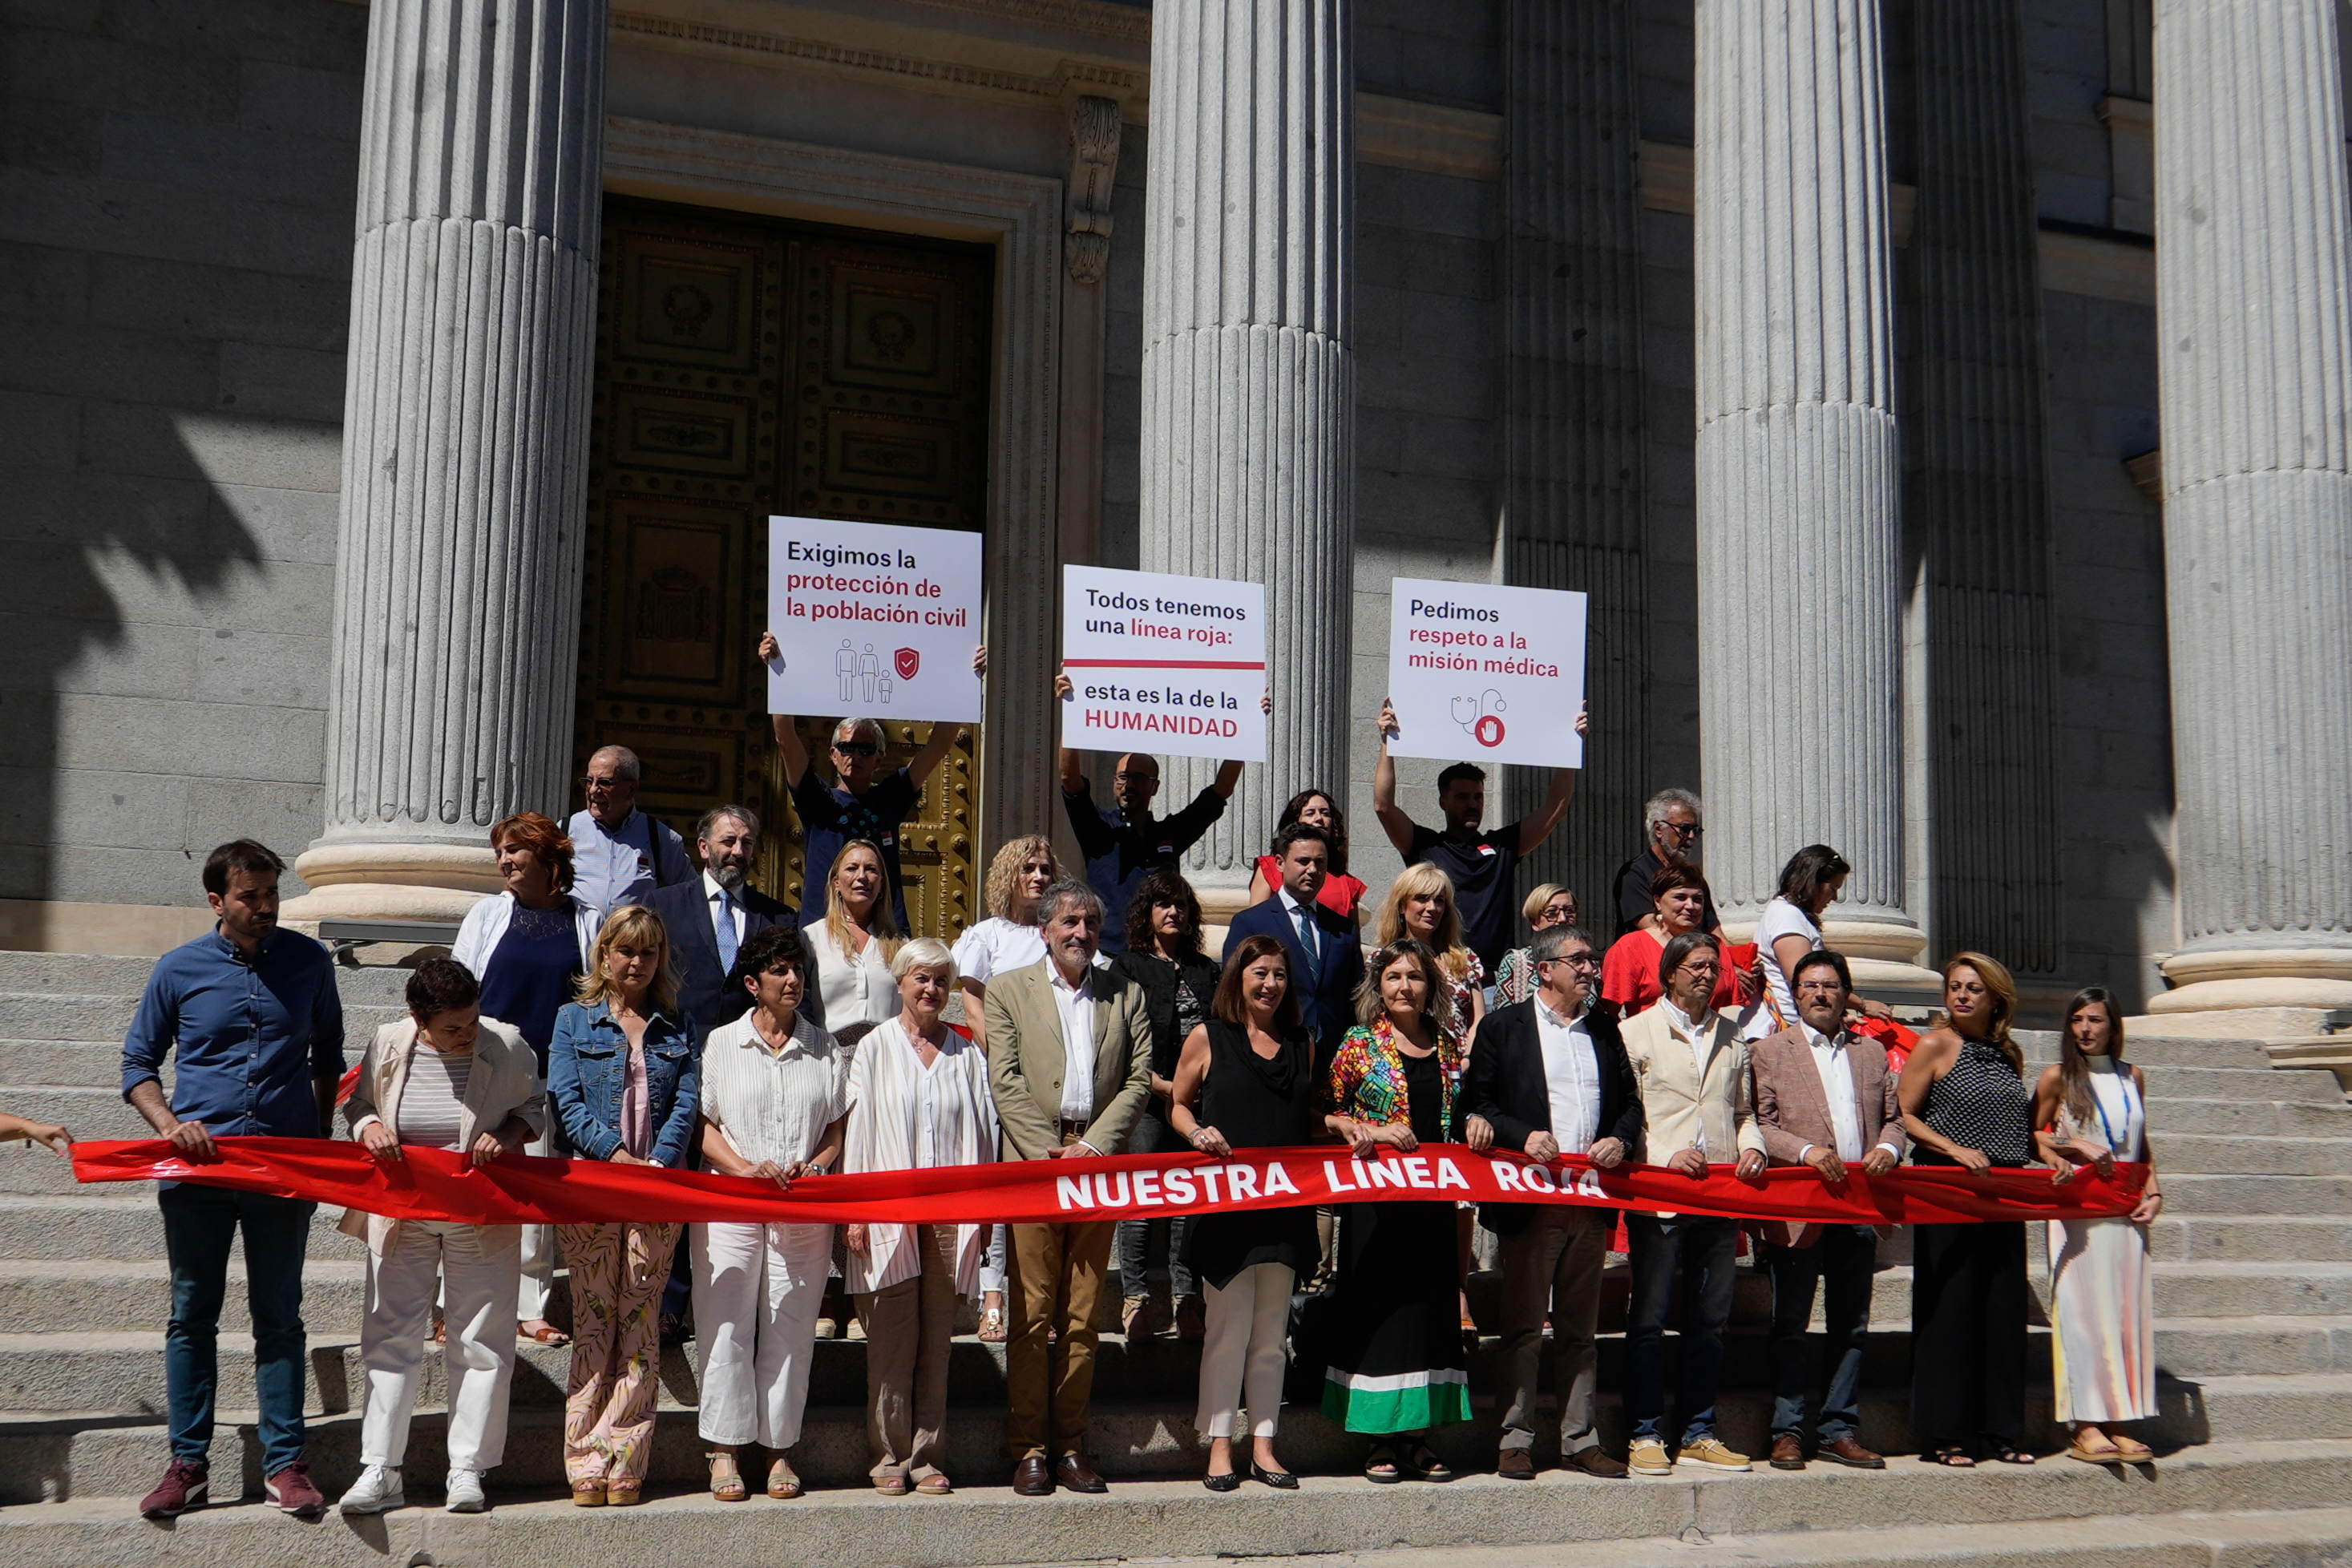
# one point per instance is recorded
(1696, 1111)
(1824, 1098)
(1069, 1062)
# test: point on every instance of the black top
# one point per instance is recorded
(1257, 1103)
(1980, 1103)
(1634, 901)
(532, 972)
(832, 816)
(1425, 1092)
(1506, 1083)
(1483, 871)
(1120, 854)
(1176, 997)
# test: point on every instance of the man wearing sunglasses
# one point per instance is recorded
(1670, 821)
(864, 802)
(1549, 1078)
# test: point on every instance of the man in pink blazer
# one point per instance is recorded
(1824, 1098)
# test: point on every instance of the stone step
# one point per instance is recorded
(2191, 1155)
(70, 1016)
(77, 1224)
(114, 974)
(2251, 1238)
(2253, 1504)
(2236, 1347)
(2248, 1119)
(2297, 1085)
(2192, 1194)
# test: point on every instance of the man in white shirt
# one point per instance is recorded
(619, 855)
(1069, 1064)
(1550, 1078)
(1824, 1098)
(1696, 1111)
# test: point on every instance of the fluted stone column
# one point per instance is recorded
(1572, 397)
(2254, 317)
(464, 429)
(1976, 503)
(1248, 440)
(1800, 549)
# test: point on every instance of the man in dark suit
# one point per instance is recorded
(1327, 960)
(709, 918)
(1550, 1078)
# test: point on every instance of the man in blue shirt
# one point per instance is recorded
(619, 855)
(253, 1016)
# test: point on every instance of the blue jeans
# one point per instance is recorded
(200, 1225)
(1842, 1262)
(1703, 1252)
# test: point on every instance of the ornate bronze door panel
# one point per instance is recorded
(747, 367)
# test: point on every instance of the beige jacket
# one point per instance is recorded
(1681, 1110)
(1026, 1059)
(504, 1082)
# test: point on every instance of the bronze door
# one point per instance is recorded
(748, 367)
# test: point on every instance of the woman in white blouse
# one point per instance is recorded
(918, 1098)
(1790, 928)
(774, 1090)
(850, 949)
(1010, 938)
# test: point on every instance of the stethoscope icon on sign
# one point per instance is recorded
(1478, 716)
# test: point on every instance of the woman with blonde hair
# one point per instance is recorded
(1965, 1103)
(1420, 905)
(850, 949)
(1548, 905)
(1010, 938)
(625, 1078)
(2092, 1108)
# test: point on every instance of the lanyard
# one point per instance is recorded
(2097, 1106)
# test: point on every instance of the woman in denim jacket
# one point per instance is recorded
(623, 1073)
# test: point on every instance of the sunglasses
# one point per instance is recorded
(857, 748)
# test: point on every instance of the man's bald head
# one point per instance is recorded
(1135, 782)
(612, 784)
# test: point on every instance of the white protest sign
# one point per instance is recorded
(1173, 666)
(873, 619)
(1484, 672)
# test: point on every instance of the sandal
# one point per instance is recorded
(547, 1333)
(624, 1494)
(933, 1486)
(726, 1487)
(992, 1325)
(2009, 1455)
(1426, 1465)
(1380, 1467)
(1952, 1457)
(2111, 1455)
(783, 1482)
(2135, 1452)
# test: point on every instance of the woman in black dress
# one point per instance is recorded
(1247, 1080)
(1396, 1362)
(1179, 981)
(1966, 1103)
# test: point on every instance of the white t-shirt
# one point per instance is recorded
(1780, 918)
(996, 945)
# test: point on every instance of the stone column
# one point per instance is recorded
(1977, 500)
(1572, 397)
(1248, 440)
(465, 436)
(1798, 469)
(2254, 317)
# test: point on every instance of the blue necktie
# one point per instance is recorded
(725, 930)
(1307, 940)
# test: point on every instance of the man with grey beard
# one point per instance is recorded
(711, 917)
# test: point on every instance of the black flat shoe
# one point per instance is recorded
(1280, 1480)
(1230, 1481)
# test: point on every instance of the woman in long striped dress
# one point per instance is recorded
(2092, 1108)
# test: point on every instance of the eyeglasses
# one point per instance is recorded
(592, 783)
(1576, 960)
(1685, 831)
(857, 748)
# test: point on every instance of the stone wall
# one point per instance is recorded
(175, 209)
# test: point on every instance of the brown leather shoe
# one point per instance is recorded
(1593, 1462)
(1788, 1452)
(1516, 1465)
(1846, 1451)
(1032, 1477)
(1073, 1471)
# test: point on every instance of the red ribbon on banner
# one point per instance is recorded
(440, 1184)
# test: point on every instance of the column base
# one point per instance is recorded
(2252, 992)
(379, 881)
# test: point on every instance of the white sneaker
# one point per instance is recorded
(464, 1489)
(377, 1489)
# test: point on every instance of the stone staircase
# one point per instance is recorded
(2255, 1334)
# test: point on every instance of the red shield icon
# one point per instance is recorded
(907, 660)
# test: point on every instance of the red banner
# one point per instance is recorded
(438, 1184)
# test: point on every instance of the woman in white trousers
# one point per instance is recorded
(443, 1077)
(774, 1089)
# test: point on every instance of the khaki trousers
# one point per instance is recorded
(1553, 1265)
(908, 1328)
(1055, 1285)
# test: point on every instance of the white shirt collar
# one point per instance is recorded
(710, 888)
(1290, 905)
(1816, 1040)
(1564, 1021)
(1053, 975)
(1680, 1022)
